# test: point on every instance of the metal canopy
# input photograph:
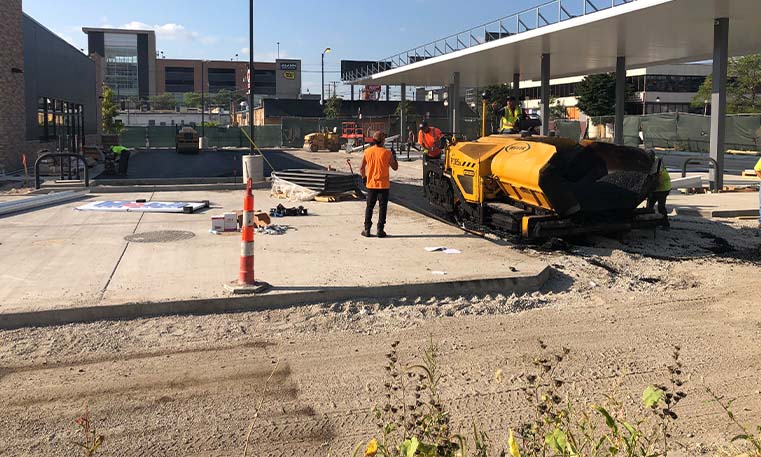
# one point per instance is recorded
(646, 32)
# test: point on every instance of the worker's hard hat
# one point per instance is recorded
(379, 137)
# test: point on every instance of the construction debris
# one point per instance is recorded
(274, 229)
(282, 211)
(324, 182)
(40, 201)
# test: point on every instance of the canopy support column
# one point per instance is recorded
(545, 94)
(620, 100)
(719, 100)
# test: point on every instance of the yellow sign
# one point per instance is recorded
(289, 74)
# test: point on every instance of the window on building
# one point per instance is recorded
(179, 79)
(121, 63)
(151, 123)
(222, 78)
(673, 83)
(265, 82)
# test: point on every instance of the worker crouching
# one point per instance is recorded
(375, 171)
(661, 193)
(430, 140)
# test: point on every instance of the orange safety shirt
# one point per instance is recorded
(430, 141)
(377, 162)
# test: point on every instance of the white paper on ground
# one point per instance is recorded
(451, 251)
(435, 249)
(439, 273)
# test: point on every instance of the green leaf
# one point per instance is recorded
(742, 437)
(557, 440)
(652, 396)
(409, 447)
(609, 421)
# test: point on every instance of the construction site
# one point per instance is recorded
(198, 291)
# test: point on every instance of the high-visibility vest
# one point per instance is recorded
(117, 150)
(664, 181)
(509, 118)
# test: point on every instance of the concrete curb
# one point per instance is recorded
(517, 284)
(716, 213)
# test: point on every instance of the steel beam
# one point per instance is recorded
(719, 100)
(620, 100)
(402, 119)
(454, 103)
(517, 87)
(545, 94)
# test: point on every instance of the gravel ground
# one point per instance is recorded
(191, 385)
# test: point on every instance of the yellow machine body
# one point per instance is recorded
(470, 165)
(518, 168)
(506, 163)
(322, 140)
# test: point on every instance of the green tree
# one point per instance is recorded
(192, 100)
(498, 94)
(332, 108)
(408, 109)
(222, 98)
(557, 109)
(743, 87)
(110, 109)
(165, 101)
(597, 94)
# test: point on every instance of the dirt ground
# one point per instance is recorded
(192, 385)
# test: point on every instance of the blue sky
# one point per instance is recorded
(360, 30)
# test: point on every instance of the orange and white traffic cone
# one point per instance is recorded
(247, 283)
(246, 273)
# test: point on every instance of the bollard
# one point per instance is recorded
(246, 273)
(247, 283)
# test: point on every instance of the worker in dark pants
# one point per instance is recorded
(661, 193)
(375, 171)
(121, 154)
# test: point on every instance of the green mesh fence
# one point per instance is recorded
(568, 129)
(133, 137)
(471, 128)
(267, 136)
(631, 131)
(659, 130)
(163, 137)
(743, 131)
(225, 137)
(692, 133)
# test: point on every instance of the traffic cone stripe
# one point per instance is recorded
(247, 249)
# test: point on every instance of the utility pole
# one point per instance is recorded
(251, 74)
(203, 101)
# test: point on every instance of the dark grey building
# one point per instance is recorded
(60, 90)
(129, 58)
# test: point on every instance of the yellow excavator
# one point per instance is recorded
(542, 187)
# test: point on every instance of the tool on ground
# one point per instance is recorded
(282, 211)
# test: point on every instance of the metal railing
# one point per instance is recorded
(550, 13)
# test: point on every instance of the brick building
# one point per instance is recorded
(12, 107)
(48, 93)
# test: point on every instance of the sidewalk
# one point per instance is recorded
(64, 264)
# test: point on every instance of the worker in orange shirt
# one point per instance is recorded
(430, 140)
(375, 171)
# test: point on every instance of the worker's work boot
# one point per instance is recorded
(366, 232)
(381, 232)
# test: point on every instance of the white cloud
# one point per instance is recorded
(171, 31)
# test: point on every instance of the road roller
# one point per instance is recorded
(537, 187)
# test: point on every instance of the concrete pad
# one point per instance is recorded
(724, 205)
(61, 265)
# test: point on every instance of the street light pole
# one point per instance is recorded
(278, 50)
(203, 101)
(322, 92)
(251, 75)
